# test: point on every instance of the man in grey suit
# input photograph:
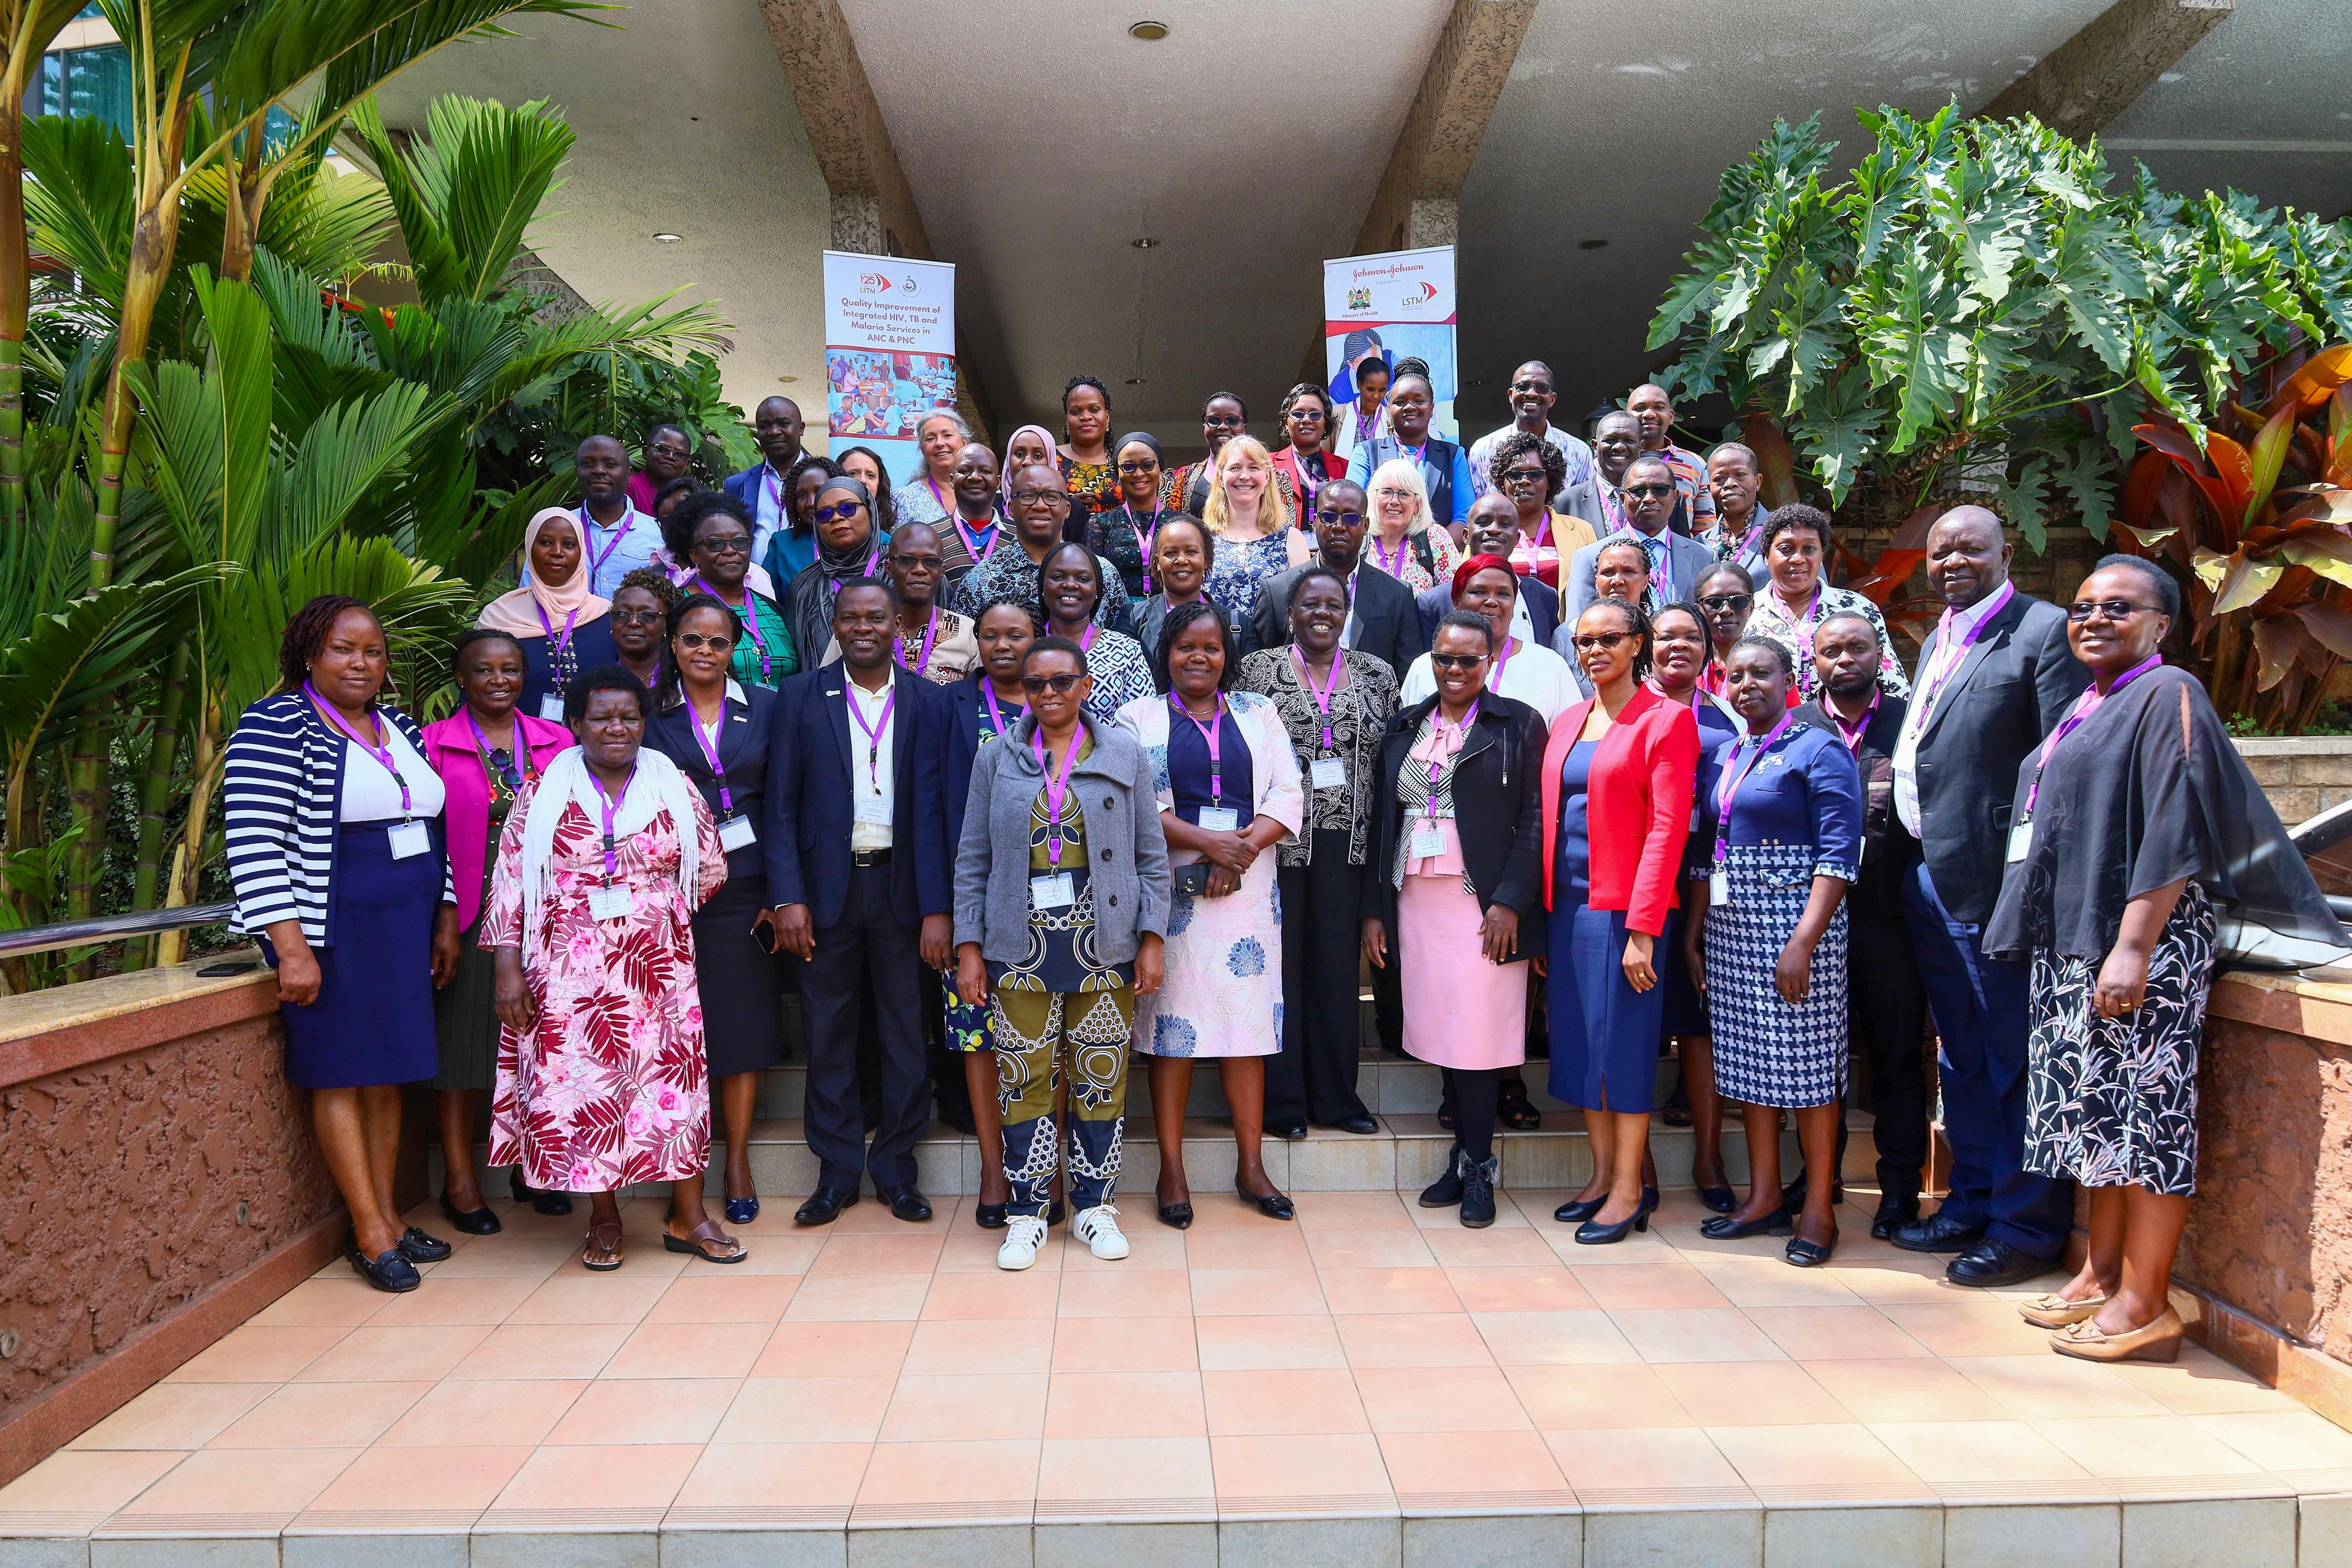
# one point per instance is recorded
(1676, 561)
(1616, 442)
(1994, 678)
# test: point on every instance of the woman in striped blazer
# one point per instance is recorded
(336, 850)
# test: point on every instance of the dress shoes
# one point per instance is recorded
(1806, 1254)
(482, 1221)
(1937, 1234)
(905, 1202)
(1723, 1227)
(1290, 1129)
(1894, 1212)
(2158, 1340)
(825, 1205)
(988, 1216)
(540, 1199)
(392, 1272)
(1362, 1123)
(419, 1247)
(1722, 1200)
(1990, 1265)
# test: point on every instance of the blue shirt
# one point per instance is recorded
(617, 550)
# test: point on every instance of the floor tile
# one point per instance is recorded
(1540, 1288)
(2052, 1387)
(884, 1253)
(1513, 1468)
(325, 1415)
(1653, 1466)
(561, 1351)
(1258, 1293)
(725, 1298)
(369, 1354)
(1243, 1345)
(2140, 1446)
(1399, 1246)
(1324, 1472)
(1123, 1292)
(1124, 1344)
(596, 1478)
(1499, 1246)
(507, 1256)
(1984, 1458)
(1436, 1399)
(748, 1483)
(76, 1489)
(1134, 1473)
(1389, 1290)
(646, 1410)
(257, 1352)
(836, 1350)
(1599, 1397)
(966, 1407)
(1103, 1404)
(1246, 1248)
(336, 1299)
(859, 1298)
(981, 1344)
(1553, 1338)
(1749, 1394)
(393, 1481)
(1643, 1287)
(1818, 1464)
(1413, 1340)
(807, 1410)
(1281, 1402)
(1695, 1333)
(176, 1415)
(689, 1349)
(1907, 1390)
(242, 1482)
(2203, 1384)
(1352, 1211)
(1770, 1282)
(996, 1478)
(2284, 1441)
(463, 1300)
(585, 1297)
(460, 1411)
(1977, 1327)
(996, 1295)
(1811, 1333)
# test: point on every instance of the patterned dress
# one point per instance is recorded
(1409, 569)
(610, 1087)
(1361, 712)
(1122, 673)
(1092, 486)
(1240, 569)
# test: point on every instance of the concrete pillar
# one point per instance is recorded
(2080, 87)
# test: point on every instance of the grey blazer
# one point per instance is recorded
(1129, 871)
(1690, 561)
(1583, 500)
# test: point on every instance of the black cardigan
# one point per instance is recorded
(1497, 813)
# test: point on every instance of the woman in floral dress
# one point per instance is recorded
(601, 1066)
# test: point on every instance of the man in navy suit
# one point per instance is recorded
(1994, 678)
(858, 863)
(778, 425)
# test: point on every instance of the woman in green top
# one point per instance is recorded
(710, 536)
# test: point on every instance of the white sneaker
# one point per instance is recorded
(1024, 1234)
(1098, 1229)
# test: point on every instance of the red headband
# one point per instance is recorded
(1477, 563)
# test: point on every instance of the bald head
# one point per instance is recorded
(1492, 525)
(1968, 555)
(778, 425)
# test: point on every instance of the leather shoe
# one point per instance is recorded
(1937, 1234)
(825, 1205)
(1793, 1194)
(419, 1247)
(1894, 1212)
(1723, 1227)
(1990, 1265)
(393, 1271)
(1290, 1130)
(988, 1216)
(482, 1221)
(1360, 1123)
(905, 1202)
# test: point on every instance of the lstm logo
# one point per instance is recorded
(1417, 297)
(873, 283)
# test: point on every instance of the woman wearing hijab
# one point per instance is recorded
(602, 1079)
(848, 545)
(560, 624)
(1123, 534)
(1031, 444)
(2136, 827)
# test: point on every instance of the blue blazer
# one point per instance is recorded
(743, 740)
(1804, 790)
(811, 800)
(968, 709)
(1444, 470)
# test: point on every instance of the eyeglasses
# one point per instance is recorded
(715, 642)
(726, 544)
(844, 511)
(1538, 387)
(1649, 491)
(1222, 420)
(1341, 519)
(1728, 601)
(638, 617)
(1145, 467)
(1036, 684)
(1523, 476)
(1599, 641)
(1393, 493)
(1457, 660)
(667, 451)
(2081, 610)
(1031, 497)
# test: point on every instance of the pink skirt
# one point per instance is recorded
(1460, 1011)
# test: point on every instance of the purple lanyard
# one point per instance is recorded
(872, 558)
(1393, 568)
(2084, 706)
(710, 745)
(971, 544)
(1611, 507)
(1142, 542)
(1209, 734)
(1310, 480)
(1419, 455)
(874, 732)
(1924, 707)
(1057, 787)
(750, 621)
(776, 494)
(1429, 807)
(930, 636)
(612, 806)
(938, 500)
(596, 558)
(1852, 736)
(556, 645)
(1501, 659)
(481, 739)
(1322, 695)
(381, 753)
(1087, 638)
(996, 713)
(1745, 761)
(1805, 624)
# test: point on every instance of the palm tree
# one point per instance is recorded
(27, 28)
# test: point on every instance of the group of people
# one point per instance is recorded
(1564, 743)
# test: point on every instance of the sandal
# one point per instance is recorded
(2055, 1311)
(1513, 1109)
(700, 1241)
(600, 1255)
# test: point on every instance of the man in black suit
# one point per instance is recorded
(1493, 528)
(1994, 678)
(1616, 442)
(858, 861)
(1382, 620)
(1884, 1000)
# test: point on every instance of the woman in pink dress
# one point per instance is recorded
(601, 1066)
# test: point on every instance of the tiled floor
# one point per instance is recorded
(1371, 1382)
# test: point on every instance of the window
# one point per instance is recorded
(89, 82)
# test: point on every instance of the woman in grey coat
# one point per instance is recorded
(1061, 907)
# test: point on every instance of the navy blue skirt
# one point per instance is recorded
(1604, 1034)
(372, 1021)
(1686, 1009)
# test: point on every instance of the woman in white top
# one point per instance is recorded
(1524, 671)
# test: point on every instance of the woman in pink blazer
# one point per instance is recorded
(484, 752)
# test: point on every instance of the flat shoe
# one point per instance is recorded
(2054, 1311)
(1723, 1227)
(540, 1199)
(419, 1247)
(472, 1222)
(742, 1211)
(1722, 1200)
(1273, 1206)
(988, 1216)
(1176, 1216)
(700, 1241)
(392, 1272)
(1806, 1254)
(2157, 1340)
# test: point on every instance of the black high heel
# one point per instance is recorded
(1723, 1227)
(1275, 1206)
(1592, 1232)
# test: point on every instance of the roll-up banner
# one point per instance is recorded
(889, 354)
(1382, 308)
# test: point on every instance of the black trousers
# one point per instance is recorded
(1470, 1096)
(1388, 1000)
(1314, 1075)
(1889, 1007)
(868, 941)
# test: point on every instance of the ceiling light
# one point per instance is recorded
(1592, 245)
(1135, 381)
(668, 239)
(1149, 32)
(788, 380)
(1145, 243)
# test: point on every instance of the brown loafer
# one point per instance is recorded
(2156, 1341)
(2054, 1311)
(600, 1254)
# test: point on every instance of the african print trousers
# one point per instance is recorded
(1042, 1036)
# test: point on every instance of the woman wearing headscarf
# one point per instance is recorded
(1123, 534)
(848, 546)
(1031, 444)
(787, 551)
(555, 617)
(2134, 830)
(602, 1076)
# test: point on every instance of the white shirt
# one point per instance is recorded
(621, 549)
(869, 779)
(370, 794)
(1951, 642)
(1533, 675)
(767, 510)
(1578, 455)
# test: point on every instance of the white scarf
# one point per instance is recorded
(658, 787)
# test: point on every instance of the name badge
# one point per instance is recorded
(410, 838)
(1328, 772)
(610, 903)
(1428, 843)
(736, 832)
(1718, 889)
(550, 707)
(874, 809)
(1054, 892)
(2021, 840)
(1220, 819)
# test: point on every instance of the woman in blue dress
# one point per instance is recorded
(1779, 840)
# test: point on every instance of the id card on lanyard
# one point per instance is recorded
(607, 902)
(873, 808)
(1429, 834)
(1055, 889)
(408, 837)
(551, 703)
(1325, 771)
(1719, 884)
(735, 829)
(1216, 816)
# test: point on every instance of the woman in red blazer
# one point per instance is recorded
(1617, 777)
(483, 753)
(1301, 465)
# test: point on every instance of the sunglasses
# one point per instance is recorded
(1306, 417)
(1457, 660)
(726, 544)
(844, 511)
(1145, 467)
(1651, 491)
(1341, 519)
(1523, 476)
(1222, 422)
(1599, 641)
(934, 562)
(1538, 387)
(503, 764)
(1035, 685)
(1728, 601)
(2081, 610)
(716, 642)
(639, 617)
